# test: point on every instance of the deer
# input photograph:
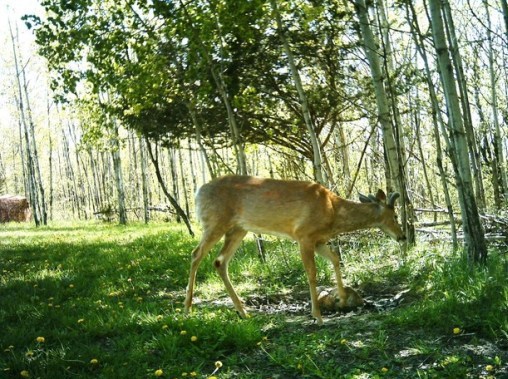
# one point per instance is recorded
(303, 211)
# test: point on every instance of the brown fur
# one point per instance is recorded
(306, 212)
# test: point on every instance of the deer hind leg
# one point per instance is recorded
(349, 298)
(309, 264)
(231, 242)
(210, 238)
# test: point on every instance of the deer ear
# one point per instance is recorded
(380, 195)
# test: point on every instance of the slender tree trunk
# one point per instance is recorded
(183, 179)
(238, 144)
(393, 151)
(475, 245)
(117, 166)
(474, 154)
(30, 180)
(144, 179)
(437, 120)
(504, 6)
(155, 160)
(372, 54)
(500, 159)
(408, 214)
(319, 173)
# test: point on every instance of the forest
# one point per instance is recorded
(115, 112)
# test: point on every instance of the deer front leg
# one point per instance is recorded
(309, 263)
(349, 298)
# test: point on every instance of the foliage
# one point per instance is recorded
(155, 62)
(106, 301)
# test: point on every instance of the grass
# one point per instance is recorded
(107, 301)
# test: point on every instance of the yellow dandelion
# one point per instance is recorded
(164, 327)
(159, 317)
(178, 310)
(184, 374)
(456, 330)
(158, 372)
(81, 320)
(40, 339)
(212, 377)
(343, 341)
(183, 332)
(29, 354)
(25, 374)
(384, 370)
(489, 367)
(94, 361)
(193, 374)
(218, 364)
(71, 285)
(194, 339)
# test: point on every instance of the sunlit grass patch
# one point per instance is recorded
(108, 301)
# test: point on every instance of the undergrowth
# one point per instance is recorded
(95, 300)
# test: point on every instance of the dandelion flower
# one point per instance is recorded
(193, 374)
(40, 339)
(159, 317)
(456, 330)
(81, 320)
(164, 327)
(384, 370)
(94, 361)
(218, 364)
(183, 332)
(194, 338)
(212, 377)
(489, 367)
(343, 341)
(25, 374)
(29, 354)
(158, 372)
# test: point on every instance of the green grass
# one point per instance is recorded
(114, 294)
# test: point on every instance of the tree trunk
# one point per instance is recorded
(407, 215)
(117, 166)
(319, 173)
(437, 120)
(393, 152)
(174, 203)
(29, 169)
(474, 238)
(474, 155)
(493, 94)
(144, 180)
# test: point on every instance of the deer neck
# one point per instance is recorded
(351, 216)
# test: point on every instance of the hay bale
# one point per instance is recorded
(14, 208)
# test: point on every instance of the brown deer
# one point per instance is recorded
(306, 212)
